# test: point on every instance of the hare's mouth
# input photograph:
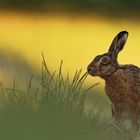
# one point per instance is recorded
(92, 71)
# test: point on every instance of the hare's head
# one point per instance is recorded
(106, 64)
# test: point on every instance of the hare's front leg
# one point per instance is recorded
(135, 114)
(118, 115)
(112, 111)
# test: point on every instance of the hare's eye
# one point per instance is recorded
(105, 60)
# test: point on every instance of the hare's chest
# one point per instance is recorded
(116, 92)
(117, 87)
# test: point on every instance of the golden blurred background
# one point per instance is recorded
(63, 33)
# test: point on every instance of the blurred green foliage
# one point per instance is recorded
(20, 123)
(104, 6)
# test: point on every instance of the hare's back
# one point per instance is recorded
(132, 74)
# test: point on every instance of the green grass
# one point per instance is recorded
(57, 108)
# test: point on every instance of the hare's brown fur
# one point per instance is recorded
(122, 82)
(123, 89)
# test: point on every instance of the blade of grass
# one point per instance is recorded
(91, 87)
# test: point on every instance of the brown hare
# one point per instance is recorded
(122, 82)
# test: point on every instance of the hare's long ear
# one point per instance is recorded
(118, 44)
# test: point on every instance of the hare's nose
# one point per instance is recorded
(89, 69)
